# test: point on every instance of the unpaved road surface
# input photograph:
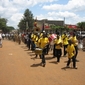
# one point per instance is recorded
(19, 67)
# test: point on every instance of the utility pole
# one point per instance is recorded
(64, 21)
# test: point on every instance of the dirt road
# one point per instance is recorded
(18, 67)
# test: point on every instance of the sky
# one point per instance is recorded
(71, 11)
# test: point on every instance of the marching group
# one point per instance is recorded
(34, 40)
(69, 43)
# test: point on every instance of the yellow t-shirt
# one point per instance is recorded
(71, 50)
(65, 41)
(58, 41)
(43, 42)
(41, 34)
(32, 36)
(62, 36)
(74, 40)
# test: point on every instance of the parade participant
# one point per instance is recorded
(25, 38)
(0, 38)
(19, 38)
(29, 41)
(58, 48)
(33, 36)
(3, 36)
(44, 41)
(57, 33)
(37, 44)
(65, 43)
(75, 43)
(71, 54)
(47, 49)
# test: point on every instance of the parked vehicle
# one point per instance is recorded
(81, 34)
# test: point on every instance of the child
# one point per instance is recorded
(71, 52)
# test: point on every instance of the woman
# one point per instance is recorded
(58, 48)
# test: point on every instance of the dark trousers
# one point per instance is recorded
(73, 60)
(32, 45)
(47, 49)
(76, 49)
(54, 50)
(43, 56)
(65, 52)
(29, 43)
(58, 53)
(25, 41)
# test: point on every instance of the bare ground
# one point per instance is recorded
(19, 67)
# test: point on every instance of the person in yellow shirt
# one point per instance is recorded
(75, 43)
(43, 42)
(65, 43)
(71, 54)
(37, 44)
(33, 37)
(58, 48)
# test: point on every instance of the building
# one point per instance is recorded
(48, 23)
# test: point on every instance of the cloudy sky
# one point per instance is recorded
(72, 10)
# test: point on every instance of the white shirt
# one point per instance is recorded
(0, 36)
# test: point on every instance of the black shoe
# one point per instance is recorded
(43, 65)
(58, 61)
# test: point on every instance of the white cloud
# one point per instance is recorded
(62, 14)
(13, 10)
(70, 17)
(73, 5)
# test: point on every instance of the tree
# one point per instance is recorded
(27, 21)
(81, 25)
(59, 29)
(4, 27)
(22, 25)
(3, 22)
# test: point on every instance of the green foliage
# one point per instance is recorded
(22, 25)
(27, 21)
(3, 25)
(81, 25)
(60, 29)
(3, 22)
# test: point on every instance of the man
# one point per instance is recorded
(44, 41)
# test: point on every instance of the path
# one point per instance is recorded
(17, 67)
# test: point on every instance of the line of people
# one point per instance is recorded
(41, 40)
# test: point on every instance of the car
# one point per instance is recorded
(81, 34)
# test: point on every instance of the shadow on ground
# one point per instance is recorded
(36, 65)
(54, 62)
